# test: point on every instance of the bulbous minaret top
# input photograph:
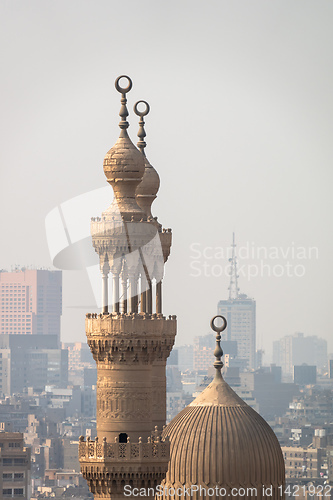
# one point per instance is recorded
(131, 244)
(147, 189)
(124, 166)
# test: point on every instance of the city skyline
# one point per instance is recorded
(266, 175)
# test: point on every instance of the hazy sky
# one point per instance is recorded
(240, 131)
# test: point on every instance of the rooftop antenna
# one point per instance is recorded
(233, 287)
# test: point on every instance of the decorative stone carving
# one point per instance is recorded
(108, 466)
(113, 404)
(129, 338)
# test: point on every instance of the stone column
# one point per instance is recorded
(105, 296)
(159, 297)
(123, 278)
(133, 293)
(115, 292)
(105, 293)
(143, 293)
(149, 298)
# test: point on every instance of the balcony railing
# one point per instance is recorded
(113, 452)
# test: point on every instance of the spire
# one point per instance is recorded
(218, 353)
(141, 133)
(147, 189)
(123, 113)
(233, 287)
(124, 167)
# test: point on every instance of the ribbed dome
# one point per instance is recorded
(148, 188)
(218, 440)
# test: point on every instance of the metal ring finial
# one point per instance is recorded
(123, 113)
(216, 328)
(218, 353)
(141, 113)
(141, 133)
(121, 89)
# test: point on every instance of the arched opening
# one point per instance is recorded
(123, 437)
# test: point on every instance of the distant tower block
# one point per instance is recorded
(131, 343)
(240, 312)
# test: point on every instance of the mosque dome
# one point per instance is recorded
(220, 441)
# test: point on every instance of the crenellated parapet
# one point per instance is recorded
(130, 338)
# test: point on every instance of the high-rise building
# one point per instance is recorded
(79, 354)
(203, 350)
(297, 349)
(30, 302)
(185, 357)
(240, 313)
(305, 374)
(31, 361)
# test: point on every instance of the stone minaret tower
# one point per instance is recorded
(131, 343)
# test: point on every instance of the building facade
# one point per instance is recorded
(305, 374)
(14, 466)
(240, 313)
(31, 361)
(298, 349)
(303, 462)
(185, 357)
(30, 302)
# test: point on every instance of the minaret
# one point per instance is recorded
(131, 343)
(145, 195)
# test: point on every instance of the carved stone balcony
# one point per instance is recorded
(109, 467)
(95, 451)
